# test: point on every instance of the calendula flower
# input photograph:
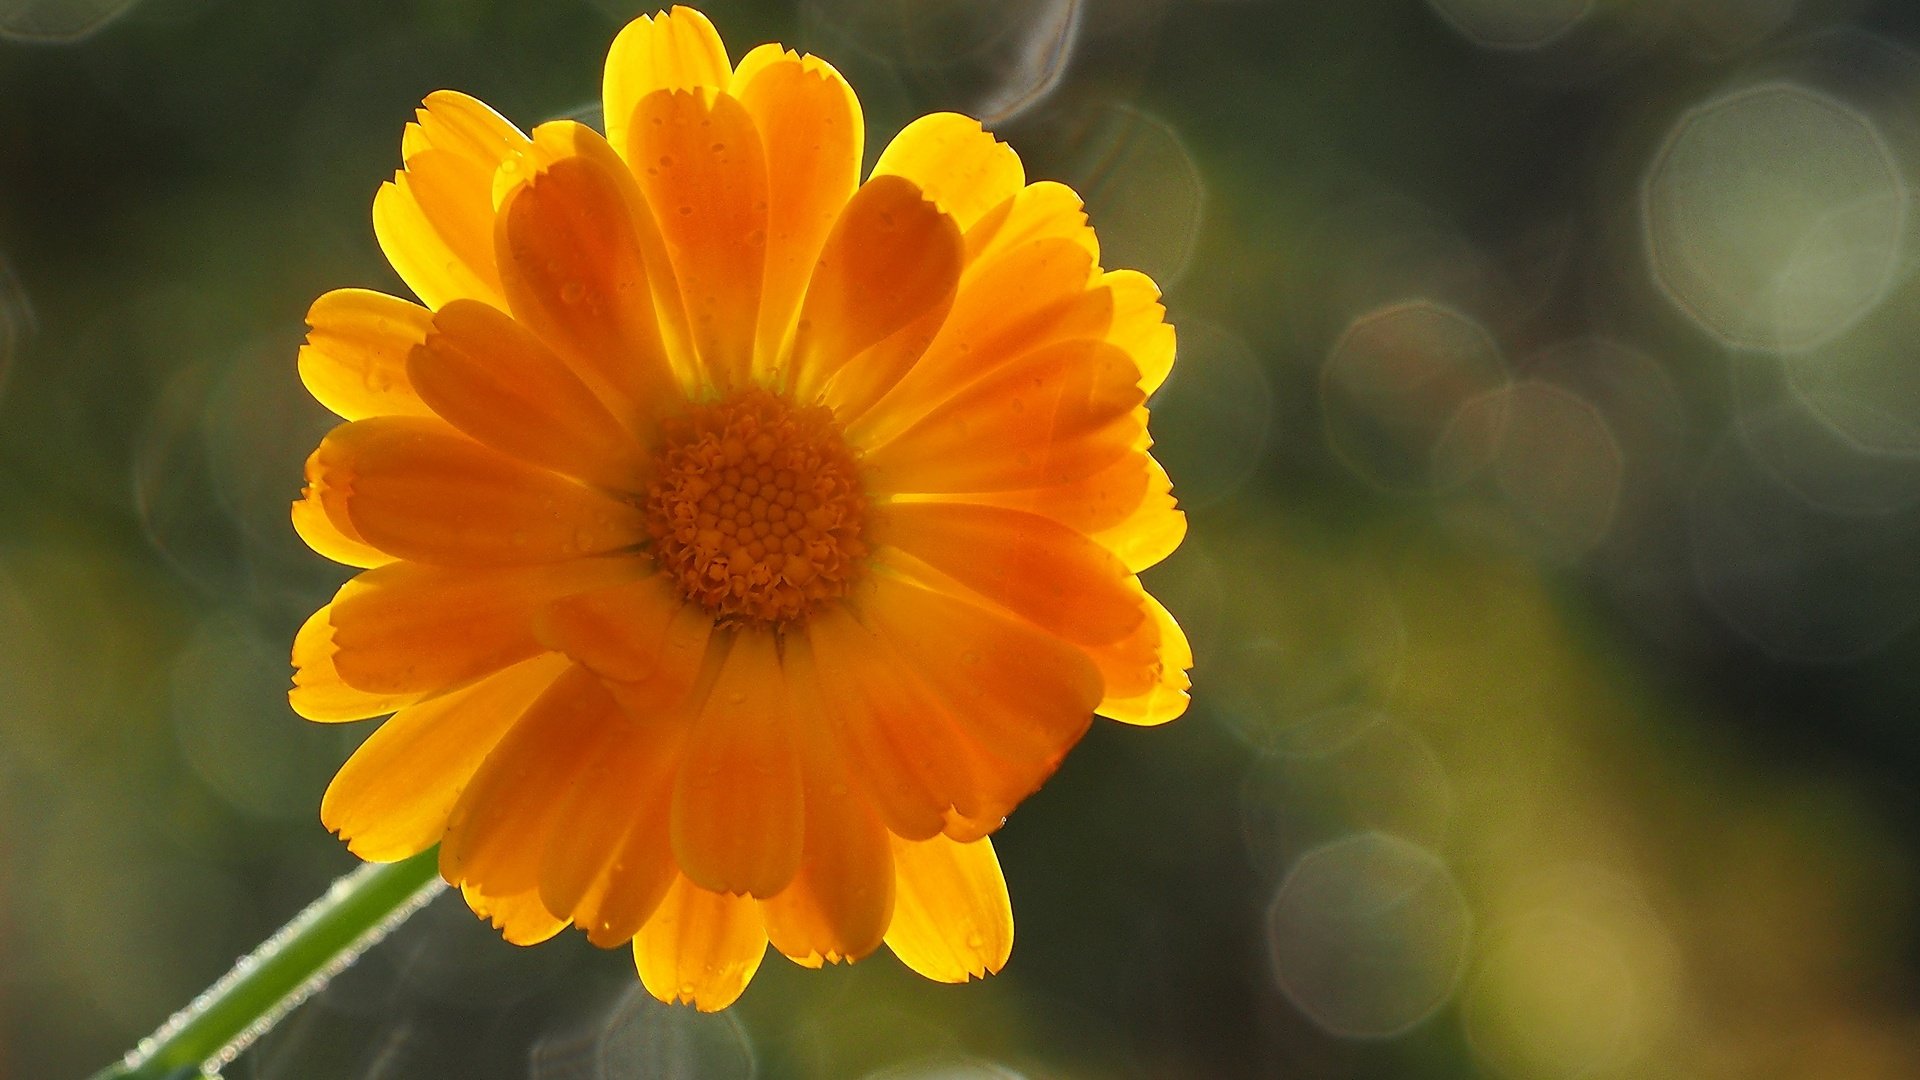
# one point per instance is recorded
(741, 541)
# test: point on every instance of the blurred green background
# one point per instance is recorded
(1549, 420)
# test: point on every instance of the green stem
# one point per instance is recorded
(295, 963)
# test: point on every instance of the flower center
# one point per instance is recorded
(756, 509)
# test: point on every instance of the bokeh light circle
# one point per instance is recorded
(1393, 384)
(1774, 216)
(58, 21)
(1368, 935)
(639, 1038)
(1512, 24)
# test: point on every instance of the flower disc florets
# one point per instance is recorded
(756, 509)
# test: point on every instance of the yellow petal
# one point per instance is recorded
(319, 693)
(495, 380)
(952, 919)
(392, 797)
(1046, 210)
(417, 489)
(961, 167)
(737, 810)
(355, 357)
(1153, 529)
(811, 130)
(1164, 697)
(520, 918)
(583, 267)
(677, 50)
(884, 284)
(700, 948)
(434, 219)
(699, 161)
(311, 522)
(1140, 325)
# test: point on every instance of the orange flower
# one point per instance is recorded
(741, 541)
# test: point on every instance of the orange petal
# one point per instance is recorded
(520, 918)
(319, 693)
(413, 628)
(884, 284)
(1157, 693)
(840, 903)
(678, 50)
(584, 268)
(434, 220)
(960, 166)
(904, 744)
(631, 632)
(952, 919)
(493, 379)
(355, 358)
(392, 797)
(1031, 297)
(417, 489)
(496, 836)
(812, 131)
(1125, 507)
(609, 861)
(699, 161)
(1019, 691)
(737, 810)
(1050, 417)
(1041, 570)
(311, 522)
(700, 948)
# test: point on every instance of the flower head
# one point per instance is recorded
(740, 541)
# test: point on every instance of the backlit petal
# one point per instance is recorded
(884, 284)
(413, 628)
(1037, 568)
(903, 748)
(840, 903)
(493, 379)
(677, 50)
(700, 948)
(699, 161)
(497, 833)
(319, 693)
(608, 860)
(1158, 693)
(737, 810)
(392, 797)
(319, 532)
(416, 489)
(1050, 417)
(811, 130)
(583, 267)
(355, 357)
(434, 219)
(962, 168)
(521, 918)
(952, 919)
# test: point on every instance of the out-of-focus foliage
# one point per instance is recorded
(1549, 417)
